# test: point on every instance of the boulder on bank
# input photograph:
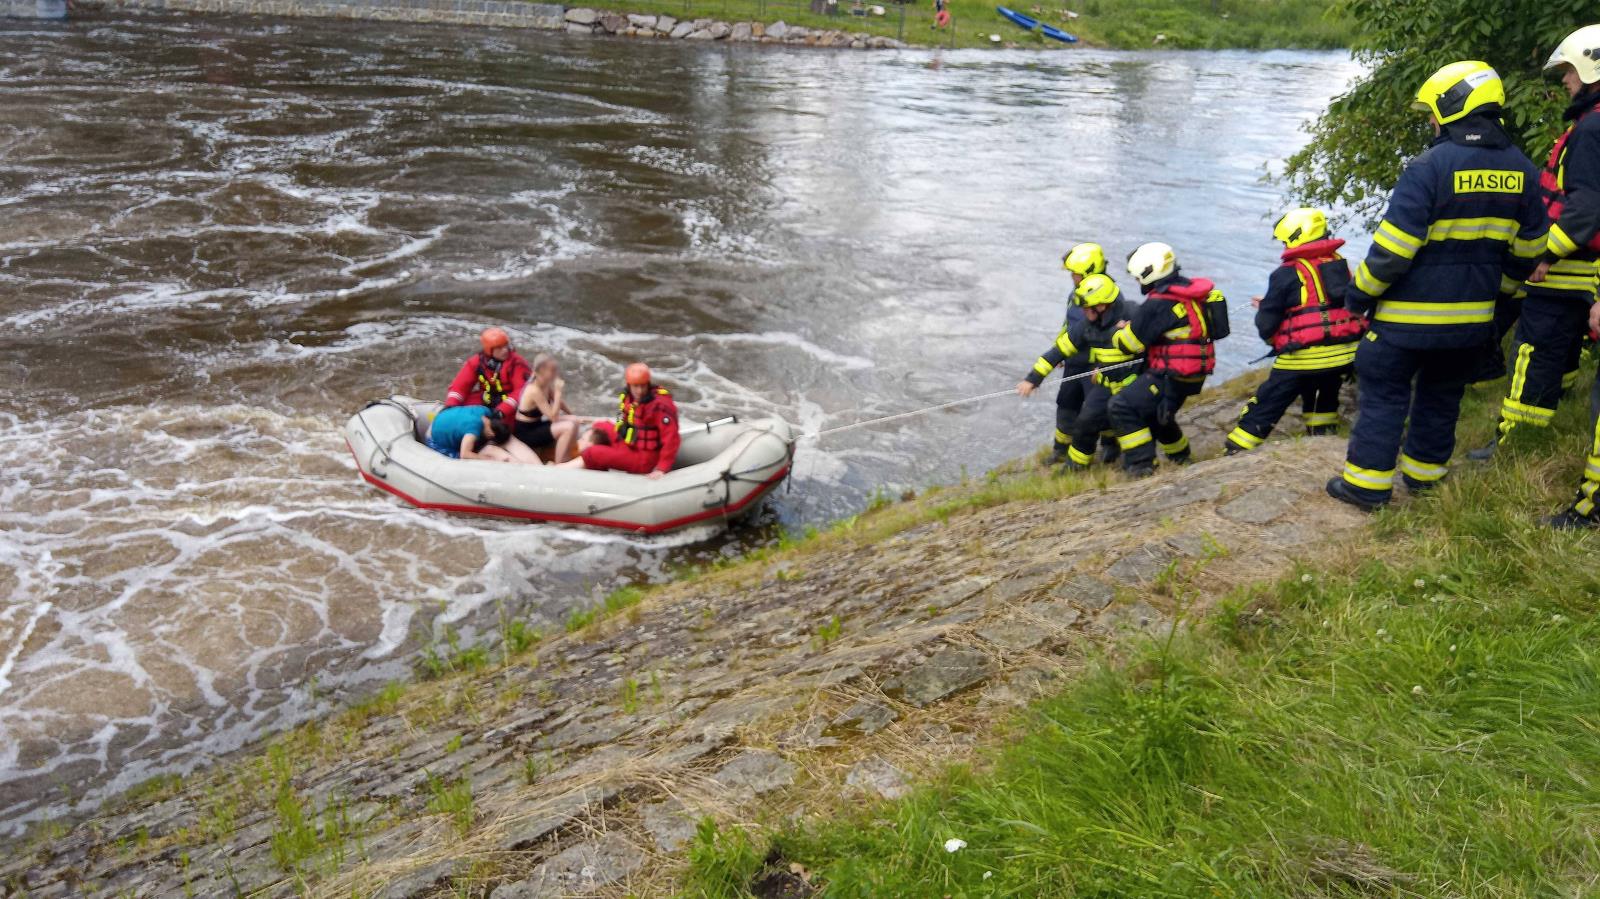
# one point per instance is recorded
(719, 30)
(741, 32)
(581, 15)
(682, 30)
(613, 23)
(639, 21)
(665, 24)
(777, 30)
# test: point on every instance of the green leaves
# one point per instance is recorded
(1359, 145)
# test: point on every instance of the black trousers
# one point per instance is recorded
(1069, 399)
(1093, 420)
(1317, 391)
(1145, 413)
(1548, 342)
(1410, 395)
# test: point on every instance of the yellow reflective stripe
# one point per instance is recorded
(1368, 283)
(1519, 371)
(1107, 355)
(1554, 281)
(1591, 469)
(1522, 413)
(1418, 313)
(1063, 437)
(1079, 457)
(1397, 241)
(1569, 380)
(1481, 228)
(1065, 345)
(1420, 471)
(1243, 439)
(1114, 384)
(1529, 247)
(1575, 266)
(1509, 284)
(1126, 341)
(1317, 358)
(1043, 366)
(1137, 438)
(1320, 419)
(1559, 243)
(1368, 478)
(1178, 446)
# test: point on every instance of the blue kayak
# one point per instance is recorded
(1032, 24)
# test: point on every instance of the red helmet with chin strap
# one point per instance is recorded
(638, 374)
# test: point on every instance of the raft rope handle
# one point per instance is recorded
(962, 402)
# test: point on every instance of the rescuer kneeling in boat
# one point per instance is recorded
(1302, 317)
(644, 439)
(1175, 328)
(493, 378)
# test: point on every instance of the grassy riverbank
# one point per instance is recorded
(1122, 24)
(1416, 719)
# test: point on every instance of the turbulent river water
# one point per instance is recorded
(218, 238)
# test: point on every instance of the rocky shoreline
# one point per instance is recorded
(584, 20)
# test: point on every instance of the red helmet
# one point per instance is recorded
(638, 373)
(493, 339)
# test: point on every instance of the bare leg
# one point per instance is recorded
(565, 431)
(574, 462)
(521, 452)
(494, 453)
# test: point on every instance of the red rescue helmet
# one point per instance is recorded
(638, 373)
(493, 339)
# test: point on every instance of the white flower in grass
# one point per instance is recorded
(1452, 647)
(1305, 578)
(1383, 632)
(1417, 690)
(988, 874)
(1557, 618)
(1419, 582)
(954, 845)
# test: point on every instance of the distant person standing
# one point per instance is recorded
(493, 377)
(1572, 194)
(941, 14)
(1456, 237)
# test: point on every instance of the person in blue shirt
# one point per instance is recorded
(477, 432)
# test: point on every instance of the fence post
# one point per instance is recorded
(902, 32)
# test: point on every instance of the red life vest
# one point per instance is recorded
(1314, 322)
(1555, 197)
(1185, 351)
(637, 425)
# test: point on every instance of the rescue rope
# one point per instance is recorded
(961, 402)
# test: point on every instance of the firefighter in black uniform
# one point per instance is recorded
(1302, 317)
(1081, 261)
(1175, 328)
(1571, 184)
(1455, 238)
(1555, 313)
(1104, 311)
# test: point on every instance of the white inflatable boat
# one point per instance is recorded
(724, 468)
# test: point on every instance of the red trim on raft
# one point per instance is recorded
(719, 512)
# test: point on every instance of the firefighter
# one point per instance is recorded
(1572, 189)
(1104, 311)
(1458, 234)
(1081, 261)
(1555, 312)
(1175, 328)
(1302, 317)
(644, 439)
(493, 377)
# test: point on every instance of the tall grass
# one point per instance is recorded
(1420, 720)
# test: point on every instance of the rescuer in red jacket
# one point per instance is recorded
(494, 377)
(644, 439)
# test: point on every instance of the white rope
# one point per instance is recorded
(961, 402)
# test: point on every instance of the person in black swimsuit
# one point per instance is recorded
(543, 418)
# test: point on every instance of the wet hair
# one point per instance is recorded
(497, 427)
(543, 359)
(598, 437)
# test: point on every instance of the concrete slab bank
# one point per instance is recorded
(33, 9)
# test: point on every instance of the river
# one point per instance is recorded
(220, 237)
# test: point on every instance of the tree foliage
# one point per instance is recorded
(1361, 142)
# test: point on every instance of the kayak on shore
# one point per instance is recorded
(1032, 24)
(724, 468)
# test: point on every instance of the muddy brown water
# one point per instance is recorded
(219, 237)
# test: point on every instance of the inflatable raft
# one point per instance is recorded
(724, 468)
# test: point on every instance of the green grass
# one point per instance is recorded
(1258, 24)
(1424, 721)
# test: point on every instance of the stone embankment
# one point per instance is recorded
(835, 673)
(582, 20)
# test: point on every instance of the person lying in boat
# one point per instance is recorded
(590, 437)
(543, 418)
(493, 377)
(644, 439)
(477, 432)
